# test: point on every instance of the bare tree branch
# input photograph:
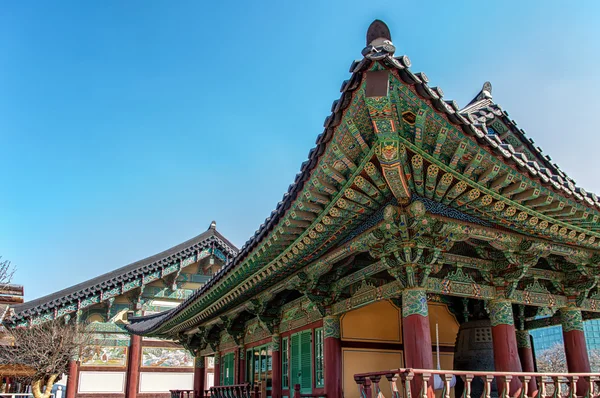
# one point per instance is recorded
(6, 272)
(46, 350)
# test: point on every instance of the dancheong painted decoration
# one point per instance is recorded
(418, 235)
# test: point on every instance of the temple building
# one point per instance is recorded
(419, 235)
(122, 364)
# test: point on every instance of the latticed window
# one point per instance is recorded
(301, 361)
(319, 375)
(285, 365)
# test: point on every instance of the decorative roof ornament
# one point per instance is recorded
(379, 41)
(486, 92)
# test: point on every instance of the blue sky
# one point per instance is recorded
(126, 127)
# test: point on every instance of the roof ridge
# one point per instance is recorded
(209, 234)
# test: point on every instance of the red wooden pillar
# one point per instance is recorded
(276, 366)
(217, 376)
(332, 356)
(199, 374)
(418, 353)
(526, 357)
(73, 381)
(578, 360)
(241, 365)
(133, 366)
(506, 353)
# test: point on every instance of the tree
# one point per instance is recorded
(6, 272)
(552, 360)
(45, 349)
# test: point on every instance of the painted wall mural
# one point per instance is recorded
(160, 357)
(105, 356)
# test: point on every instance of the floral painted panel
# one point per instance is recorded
(105, 356)
(159, 357)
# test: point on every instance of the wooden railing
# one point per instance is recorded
(188, 394)
(235, 391)
(548, 385)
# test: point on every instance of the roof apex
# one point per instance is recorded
(378, 30)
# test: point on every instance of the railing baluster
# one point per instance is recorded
(487, 388)
(368, 390)
(507, 380)
(425, 377)
(407, 378)
(524, 386)
(572, 386)
(592, 383)
(391, 377)
(375, 381)
(557, 387)
(447, 388)
(468, 379)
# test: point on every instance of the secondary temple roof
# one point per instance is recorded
(123, 279)
(525, 180)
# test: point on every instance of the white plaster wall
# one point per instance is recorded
(101, 382)
(163, 382)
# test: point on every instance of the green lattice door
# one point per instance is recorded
(301, 361)
(227, 369)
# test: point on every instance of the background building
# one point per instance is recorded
(120, 362)
(546, 338)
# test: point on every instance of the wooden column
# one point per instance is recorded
(133, 366)
(217, 376)
(526, 357)
(578, 360)
(200, 374)
(418, 352)
(241, 376)
(73, 381)
(276, 366)
(506, 353)
(332, 356)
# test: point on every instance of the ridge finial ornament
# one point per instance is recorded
(379, 41)
(378, 30)
(485, 93)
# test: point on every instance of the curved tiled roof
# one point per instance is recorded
(483, 110)
(472, 123)
(124, 274)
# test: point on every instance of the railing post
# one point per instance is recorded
(297, 391)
